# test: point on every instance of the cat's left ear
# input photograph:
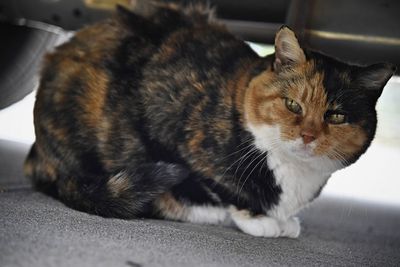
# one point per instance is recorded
(374, 77)
(287, 49)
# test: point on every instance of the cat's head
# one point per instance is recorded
(311, 106)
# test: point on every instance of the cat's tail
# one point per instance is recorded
(126, 194)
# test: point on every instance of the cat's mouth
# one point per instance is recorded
(301, 150)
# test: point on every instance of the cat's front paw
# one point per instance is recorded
(290, 228)
(262, 226)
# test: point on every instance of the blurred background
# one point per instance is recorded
(356, 31)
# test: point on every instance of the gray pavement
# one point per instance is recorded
(36, 230)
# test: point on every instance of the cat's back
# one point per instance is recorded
(80, 83)
(115, 49)
(91, 87)
(85, 57)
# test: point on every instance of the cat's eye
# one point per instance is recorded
(293, 106)
(336, 118)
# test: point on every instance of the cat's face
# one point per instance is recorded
(313, 106)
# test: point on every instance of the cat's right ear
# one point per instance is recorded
(287, 49)
(373, 78)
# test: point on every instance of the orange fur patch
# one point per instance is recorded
(265, 104)
(342, 142)
(96, 92)
(195, 142)
(169, 207)
(118, 184)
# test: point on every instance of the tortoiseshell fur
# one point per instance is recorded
(146, 116)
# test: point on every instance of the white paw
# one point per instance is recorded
(290, 228)
(256, 226)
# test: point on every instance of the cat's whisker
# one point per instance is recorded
(245, 142)
(251, 162)
(274, 146)
(231, 154)
(343, 160)
(239, 159)
(243, 159)
(249, 175)
(339, 154)
(334, 155)
(249, 139)
(243, 171)
(263, 164)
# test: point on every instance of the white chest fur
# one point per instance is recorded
(299, 181)
(299, 173)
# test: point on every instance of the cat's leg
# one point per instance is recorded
(255, 225)
(290, 227)
(168, 207)
(265, 226)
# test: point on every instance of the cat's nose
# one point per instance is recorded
(307, 137)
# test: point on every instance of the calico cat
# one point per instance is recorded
(168, 115)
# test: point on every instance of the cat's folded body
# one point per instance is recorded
(168, 115)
